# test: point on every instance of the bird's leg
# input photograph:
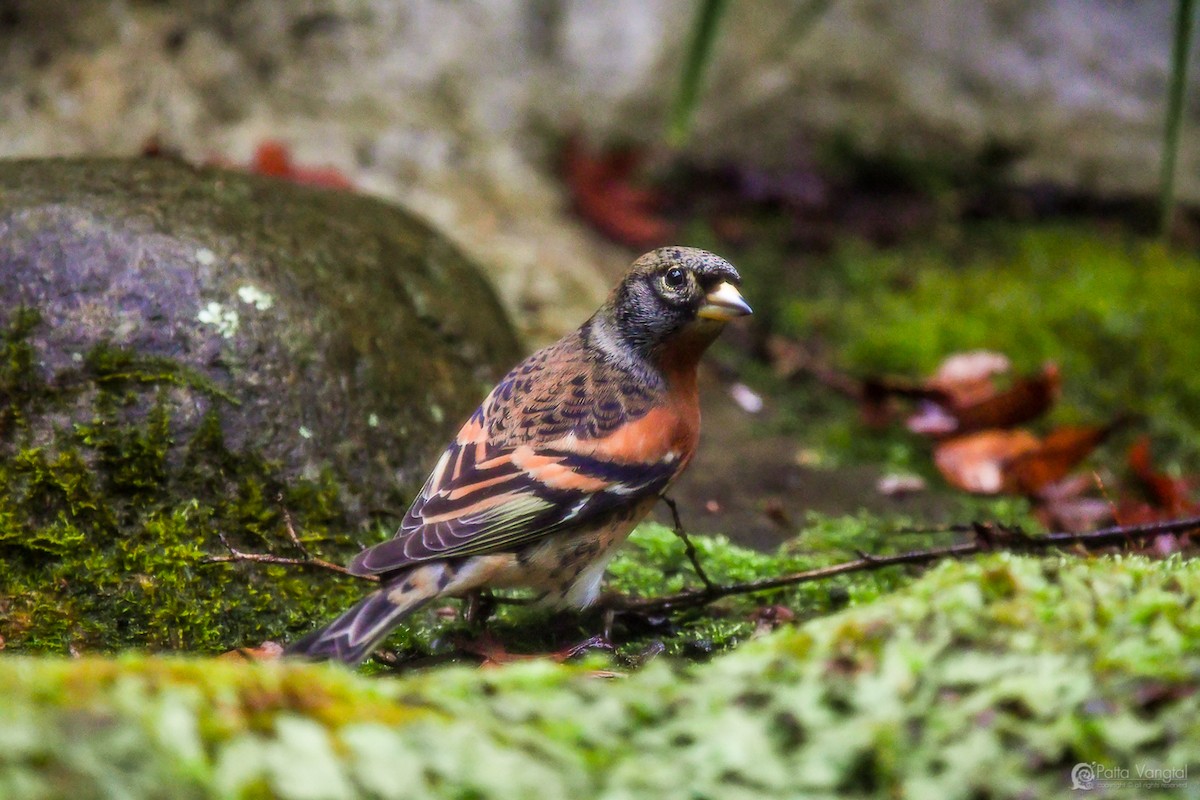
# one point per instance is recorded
(478, 606)
(688, 547)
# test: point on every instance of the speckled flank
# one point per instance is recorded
(567, 569)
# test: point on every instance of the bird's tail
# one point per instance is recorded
(355, 634)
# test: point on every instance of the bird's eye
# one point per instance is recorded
(674, 278)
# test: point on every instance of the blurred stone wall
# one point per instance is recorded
(455, 108)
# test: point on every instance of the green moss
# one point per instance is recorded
(654, 563)
(987, 679)
(106, 525)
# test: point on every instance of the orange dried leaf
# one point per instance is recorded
(1057, 455)
(977, 462)
(1166, 493)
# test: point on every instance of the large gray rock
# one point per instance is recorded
(348, 337)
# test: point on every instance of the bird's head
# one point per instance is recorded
(675, 299)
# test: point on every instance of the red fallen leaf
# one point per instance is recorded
(274, 159)
(962, 398)
(977, 462)
(1059, 453)
(1167, 493)
(603, 195)
(1027, 399)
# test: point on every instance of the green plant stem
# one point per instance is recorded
(699, 53)
(1181, 50)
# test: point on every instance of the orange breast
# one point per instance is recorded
(673, 428)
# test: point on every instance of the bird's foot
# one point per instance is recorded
(493, 652)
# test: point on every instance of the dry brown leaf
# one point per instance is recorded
(1168, 494)
(267, 651)
(1059, 453)
(965, 400)
(1027, 399)
(976, 462)
(966, 378)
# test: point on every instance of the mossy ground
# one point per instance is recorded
(654, 563)
(988, 679)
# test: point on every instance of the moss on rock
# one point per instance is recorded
(106, 523)
(988, 679)
(185, 353)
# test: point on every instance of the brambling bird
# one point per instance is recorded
(561, 460)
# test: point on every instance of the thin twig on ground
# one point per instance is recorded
(235, 556)
(688, 547)
(987, 537)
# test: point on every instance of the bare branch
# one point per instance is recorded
(291, 530)
(236, 556)
(987, 537)
(688, 547)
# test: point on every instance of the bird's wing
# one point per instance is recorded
(481, 499)
(510, 478)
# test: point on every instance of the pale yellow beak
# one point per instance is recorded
(724, 303)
